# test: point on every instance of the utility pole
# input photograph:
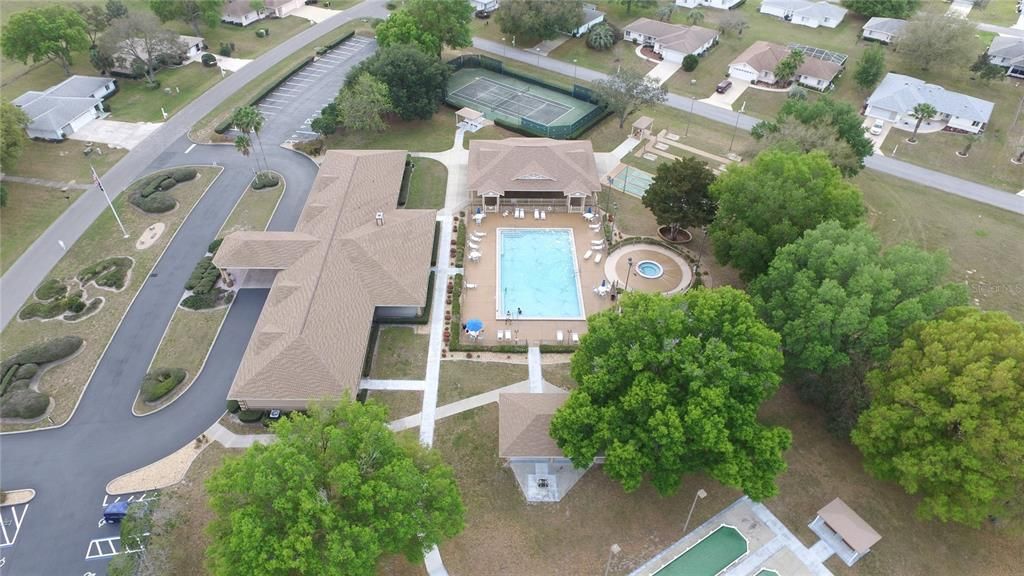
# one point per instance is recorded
(96, 179)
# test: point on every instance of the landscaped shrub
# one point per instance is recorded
(250, 416)
(74, 304)
(89, 308)
(203, 276)
(48, 351)
(42, 310)
(155, 204)
(261, 33)
(109, 273)
(265, 180)
(23, 403)
(311, 147)
(690, 62)
(26, 371)
(214, 246)
(160, 382)
(8, 376)
(50, 289)
(207, 300)
(601, 37)
(184, 174)
(233, 407)
(3, 196)
(225, 49)
(166, 184)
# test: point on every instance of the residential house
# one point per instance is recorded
(591, 17)
(542, 471)
(524, 170)
(1008, 52)
(240, 13)
(896, 96)
(757, 64)
(62, 110)
(282, 8)
(485, 5)
(805, 12)
(190, 47)
(672, 42)
(353, 257)
(884, 30)
(719, 4)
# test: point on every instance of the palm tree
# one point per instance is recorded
(923, 111)
(244, 145)
(971, 139)
(695, 17)
(249, 120)
(665, 12)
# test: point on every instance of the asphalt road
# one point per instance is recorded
(891, 166)
(70, 466)
(32, 267)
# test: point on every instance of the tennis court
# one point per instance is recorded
(497, 95)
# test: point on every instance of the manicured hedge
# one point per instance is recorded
(167, 183)
(403, 191)
(89, 308)
(26, 371)
(437, 239)
(184, 174)
(371, 346)
(210, 300)
(214, 246)
(250, 416)
(233, 406)
(160, 382)
(265, 180)
(17, 400)
(109, 273)
(24, 403)
(50, 289)
(155, 204)
(49, 351)
(42, 310)
(204, 276)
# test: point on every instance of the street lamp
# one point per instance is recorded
(734, 128)
(629, 272)
(700, 494)
(504, 47)
(573, 70)
(613, 551)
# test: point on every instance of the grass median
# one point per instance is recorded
(191, 333)
(65, 382)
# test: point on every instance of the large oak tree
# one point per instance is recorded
(671, 386)
(679, 194)
(53, 32)
(416, 81)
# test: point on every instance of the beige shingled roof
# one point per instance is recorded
(337, 267)
(763, 55)
(688, 40)
(523, 423)
(654, 28)
(532, 164)
(850, 527)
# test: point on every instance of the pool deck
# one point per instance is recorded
(481, 302)
(770, 545)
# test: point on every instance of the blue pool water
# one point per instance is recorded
(537, 273)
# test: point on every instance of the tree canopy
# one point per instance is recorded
(843, 120)
(363, 104)
(51, 32)
(446, 20)
(402, 28)
(194, 12)
(945, 420)
(932, 37)
(96, 19)
(641, 4)
(416, 81)
(672, 386)
(541, 19)
(337, 491)
(627, 91)
(679, 197)
(787, 67)
(883, 8)
(870, 67)
(770, 203)
(12, 135)
(840, 304)
(139, 43)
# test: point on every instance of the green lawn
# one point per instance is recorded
(559, 375)
(464, 378)
(435, 134)
(998, 12)
(984, 243)
(247, 44)
(427, 186)
(253, 211)
(29, 211)
(401, 354)
(137, 102)
(64, 383)
(621, 55)
(64, 161)
(400, 403)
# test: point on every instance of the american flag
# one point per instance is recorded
(96, 179)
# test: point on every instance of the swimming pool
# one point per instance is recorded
(713, 554)
(538, 274)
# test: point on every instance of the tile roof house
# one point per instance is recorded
(542, 471)
(719, 4)
(556, 172)
(805, 12)
(240, 13)
(896, 96)
(282, 8)
(671, 41)
(1008, 52)
(885, 30)
(591, 17)
(62, 110)
(353, 256)
(757, 64)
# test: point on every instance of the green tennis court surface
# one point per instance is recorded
(632, 181)
(504, 96)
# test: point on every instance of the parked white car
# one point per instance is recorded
(877, 127)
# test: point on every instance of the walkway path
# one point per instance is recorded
(46, 183)
(891, 166)
(229, 439)
(533, 364)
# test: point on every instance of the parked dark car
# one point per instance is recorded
(483, 14)
(723, 86)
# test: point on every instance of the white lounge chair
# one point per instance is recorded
(479, 233)
(504, 214)
(501, 335)
(508, 335)
(474, 256)
(473, 246)
(597, 242)
(543, 215)
(597, 259)
(588, 254)
(470, 286)
(575, 338)
(597, 247)
(594, 227)
(559, 336)
(536, 214)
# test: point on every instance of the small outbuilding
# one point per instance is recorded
(642, 127)
(471, 118)
(845, 532)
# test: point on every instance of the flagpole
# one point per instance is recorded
(96, 179)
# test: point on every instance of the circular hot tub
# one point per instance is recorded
(649, 269)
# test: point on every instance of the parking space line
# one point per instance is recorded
(268, 105)
(315, 65)
(332, 60)
(269, 99)
(304, 132)
(297, 83)
(107, 547)
(14, 523)
(310, 74)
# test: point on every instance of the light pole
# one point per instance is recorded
(625, 287)
(737, 125)
(504, 48)
(613, 551)
(573, 70)
(689, 118)
(701, 494)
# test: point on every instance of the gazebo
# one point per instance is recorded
(473, 119)
(846, 533)
(642, 127)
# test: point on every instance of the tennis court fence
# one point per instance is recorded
(518, 123)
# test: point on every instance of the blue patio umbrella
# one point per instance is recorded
(474, 325)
